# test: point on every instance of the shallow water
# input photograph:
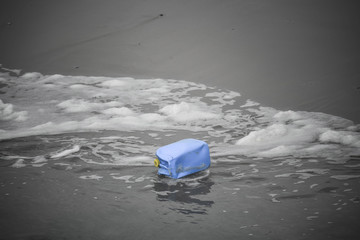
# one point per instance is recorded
(76, 162)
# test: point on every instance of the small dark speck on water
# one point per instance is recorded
(161, 15)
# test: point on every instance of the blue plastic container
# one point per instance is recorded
(182, 158)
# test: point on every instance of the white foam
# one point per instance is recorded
(102, 103)
(81, 104)
(31, 75)
(114, 83)
(140, 179)
(38, 165)
(91, 177)
(135, 161)
(342, 137)
(16, 71)
(305, 173)
(299, 134)
(250, 103)
(19, 164)
(153, 135)
(223, 97)
(125, 178)
(318, 171)
(278, 134)
(277, 151)
(187, 112)
(66, 152)
(123, 111)
(345, 177)
(7, 113)
(39, 160)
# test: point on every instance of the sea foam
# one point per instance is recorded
(35, 104)
(7, 113)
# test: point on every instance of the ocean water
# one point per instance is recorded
(76, 157)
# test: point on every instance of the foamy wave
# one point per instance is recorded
(57, 104)
(7, 113)
(301, 134)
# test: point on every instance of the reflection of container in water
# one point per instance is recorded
(182, 158)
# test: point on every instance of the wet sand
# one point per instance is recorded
(283, 54)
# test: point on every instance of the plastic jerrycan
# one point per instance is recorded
(182, 158)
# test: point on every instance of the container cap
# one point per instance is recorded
(156, 162)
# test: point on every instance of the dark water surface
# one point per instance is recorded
(299, 55)
(237, 197)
